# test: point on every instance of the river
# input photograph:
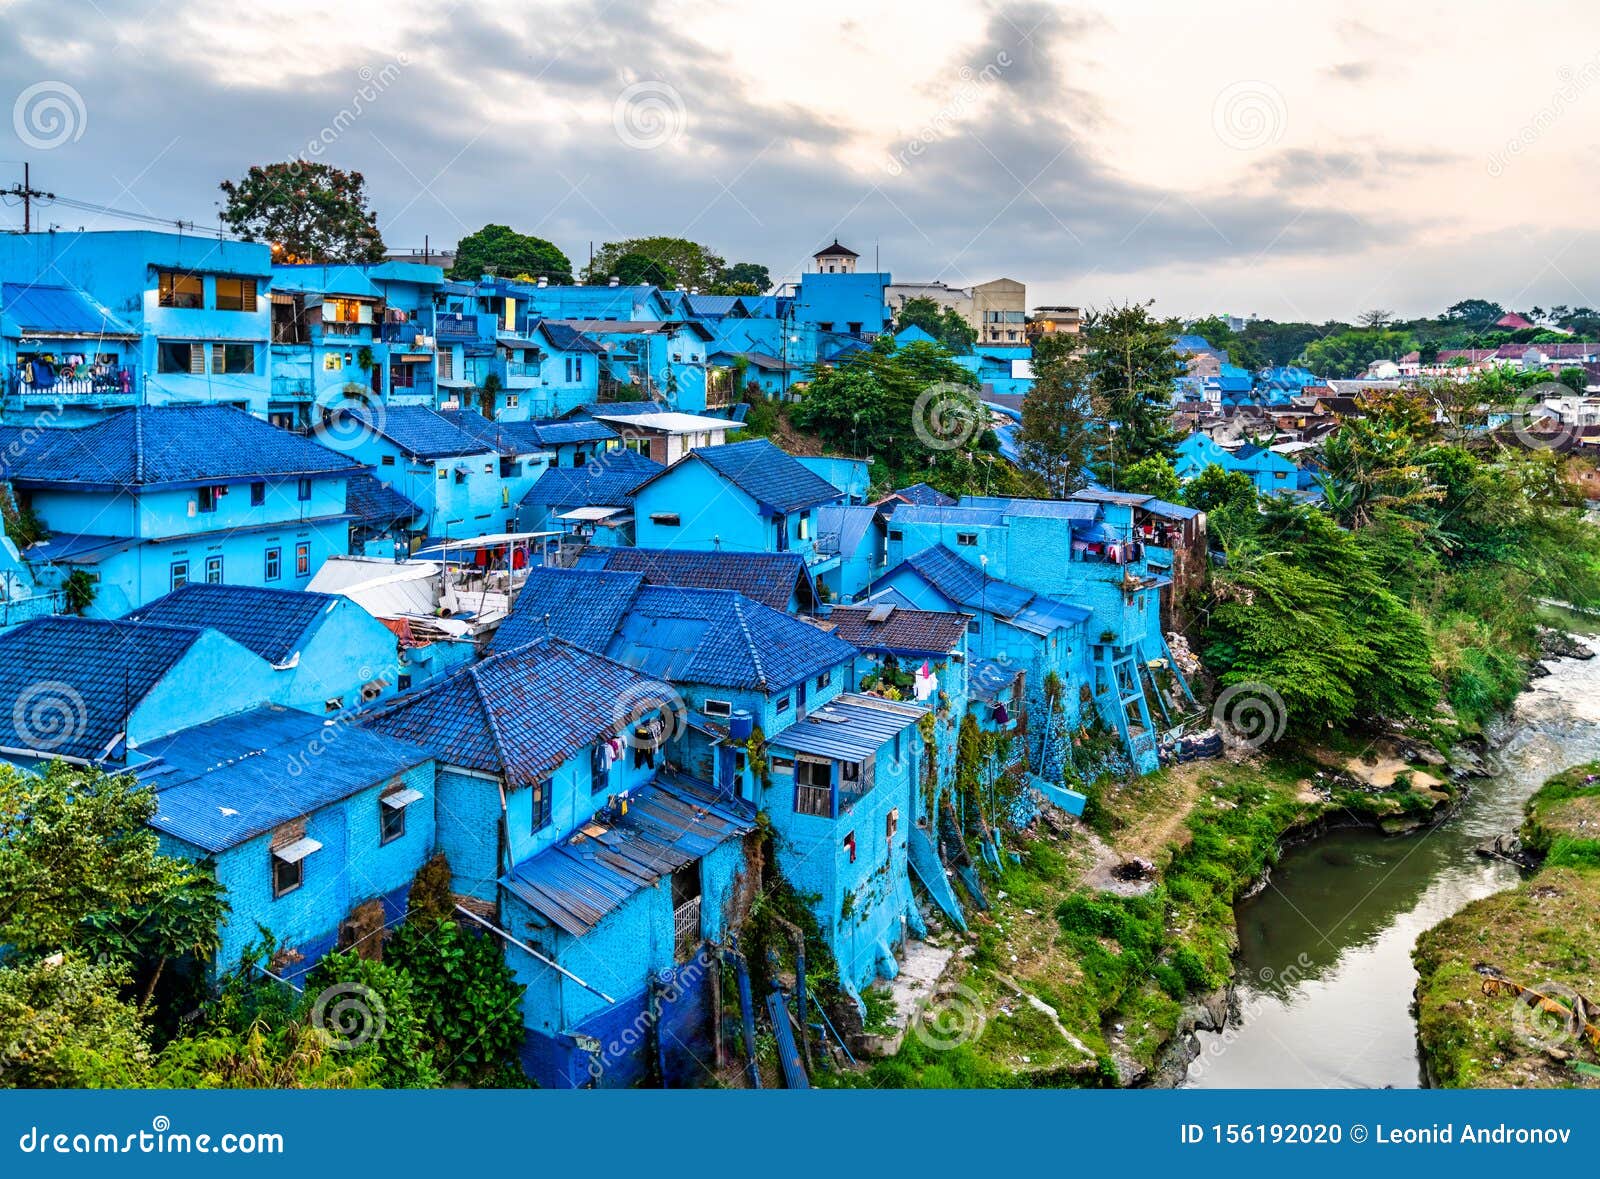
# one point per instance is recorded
(1325, 980)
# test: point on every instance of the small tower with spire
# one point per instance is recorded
(835, 259)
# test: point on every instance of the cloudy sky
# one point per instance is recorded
(1303, 160)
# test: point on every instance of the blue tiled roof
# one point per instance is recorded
(520, 712)
(721, 638)
(605, 481)
(372, 502)
(583, 607)
(671, 821)
(274, 623)
(419, 431)
(921, 493)
(767, 475)
(55, 310)
(495, 436)
(772, 579)
(222, 783)
(964, 584)
(564, 337)
(174, 445)
(73, 681)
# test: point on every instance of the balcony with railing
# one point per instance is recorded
(88, 385)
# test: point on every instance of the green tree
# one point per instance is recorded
(942, 323)
(884, 402)
(63, 1025)
(642, 270)
(1056, 439)
(740, 274)
(77, 856)
(1349, 353)
(1151, 476)
(466, 997)
(308, 212)
(368, 1011)
(1476, 313)
(1132, 367)
(500, 250)
(692, 264)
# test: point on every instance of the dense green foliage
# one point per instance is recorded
(944, 324)
(1058, 432)
(1131, 369)
(914, 412)
(1418, 583)
(308, 212)
(465, 996)
(501, 251)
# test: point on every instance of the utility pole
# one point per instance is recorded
(27, 192)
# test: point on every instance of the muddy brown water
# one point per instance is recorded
(1325, 980)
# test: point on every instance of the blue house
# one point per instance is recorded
(316, 828)
(350, 333)
(592, 502)
(198, 305)
(88, 690)
(327, 653)
(1271, 472)
(736, 666)
(1088, 554)
(841, 795)
(746, 497)
(852, 540)
(147, 500)
(1011, 626)
(382, 521)
(836, 298)
(851, 476)
(461, 479)
(64, 357)
(557, 810)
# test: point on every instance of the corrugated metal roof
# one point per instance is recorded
(850, 727)
(673, 820)
(55, 310)
(235, 778)
(842, 527)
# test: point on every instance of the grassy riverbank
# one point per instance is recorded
(1541, 934)
(1085, 979)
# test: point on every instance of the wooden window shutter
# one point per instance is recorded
(197, 358)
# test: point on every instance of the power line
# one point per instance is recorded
(29, 194)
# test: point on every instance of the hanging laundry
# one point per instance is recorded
(927, 683)
(1001, 716)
